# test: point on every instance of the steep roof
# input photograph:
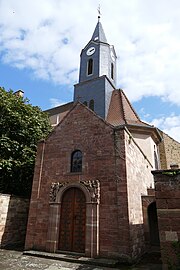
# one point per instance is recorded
(99, 35)
(121, 111)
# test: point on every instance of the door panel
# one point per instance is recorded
(73, 217)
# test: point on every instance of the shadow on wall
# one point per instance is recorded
(13, 221)
(153, 224)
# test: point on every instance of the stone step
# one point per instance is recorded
(73, 258)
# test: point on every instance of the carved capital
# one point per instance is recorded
(93, 187)
(55, 187)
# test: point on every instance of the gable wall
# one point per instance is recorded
(81, 129)
(147, 145)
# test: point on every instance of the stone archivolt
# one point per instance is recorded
(93, 187)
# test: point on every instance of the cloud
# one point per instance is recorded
(170, 125)
(46, 36)
(56, 102)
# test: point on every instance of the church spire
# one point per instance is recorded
(99, 35)
(97, 76)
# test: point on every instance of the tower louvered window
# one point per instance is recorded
(90, 66)
(112, 71)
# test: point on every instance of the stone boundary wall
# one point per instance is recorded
(13, 220)
(167, 193)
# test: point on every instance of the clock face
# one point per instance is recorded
(112, 56)
(90, 51)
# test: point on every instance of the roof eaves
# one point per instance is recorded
(147, 128)
(60, 108)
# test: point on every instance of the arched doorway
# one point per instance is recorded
(153, 224)
(73, 220)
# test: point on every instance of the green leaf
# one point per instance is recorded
(21, 127)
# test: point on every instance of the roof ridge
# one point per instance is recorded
(59, 106)
(93, 112)
(122, 106)
(87, 108)
(129, 104)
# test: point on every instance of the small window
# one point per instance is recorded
(156, 163)
(156, 160)
(85, 103)
(76, 161)
(90, 66)
(91, 104)
(112, 71)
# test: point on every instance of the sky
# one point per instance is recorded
(41, 41)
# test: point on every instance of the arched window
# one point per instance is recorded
(90, 66)
(112, 71)
(76, 161)
(85, 103)
(91, 104)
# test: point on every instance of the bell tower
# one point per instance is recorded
(97, 76)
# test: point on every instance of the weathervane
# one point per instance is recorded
(99, 11)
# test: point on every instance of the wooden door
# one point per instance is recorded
(73, 218)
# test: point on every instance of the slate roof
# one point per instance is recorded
(99, 35)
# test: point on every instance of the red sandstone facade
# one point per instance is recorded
(111, 229)
(107, 208)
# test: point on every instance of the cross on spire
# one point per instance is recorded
(99, 11)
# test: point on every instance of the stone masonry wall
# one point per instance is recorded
(169, 150)
(167, 192)
(82, 129)
(139, 180)
(13, 220)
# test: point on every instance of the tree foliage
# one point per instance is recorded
(21, 127)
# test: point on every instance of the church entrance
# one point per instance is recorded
(153, 225)
(73, 220)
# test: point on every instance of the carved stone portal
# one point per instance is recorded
(92, 186)
(94, 189)
(55, 187)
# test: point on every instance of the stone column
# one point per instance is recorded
(53, 227)
(92, 230)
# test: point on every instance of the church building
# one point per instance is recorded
(92, 179)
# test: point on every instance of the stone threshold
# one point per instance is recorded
(73, 258)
